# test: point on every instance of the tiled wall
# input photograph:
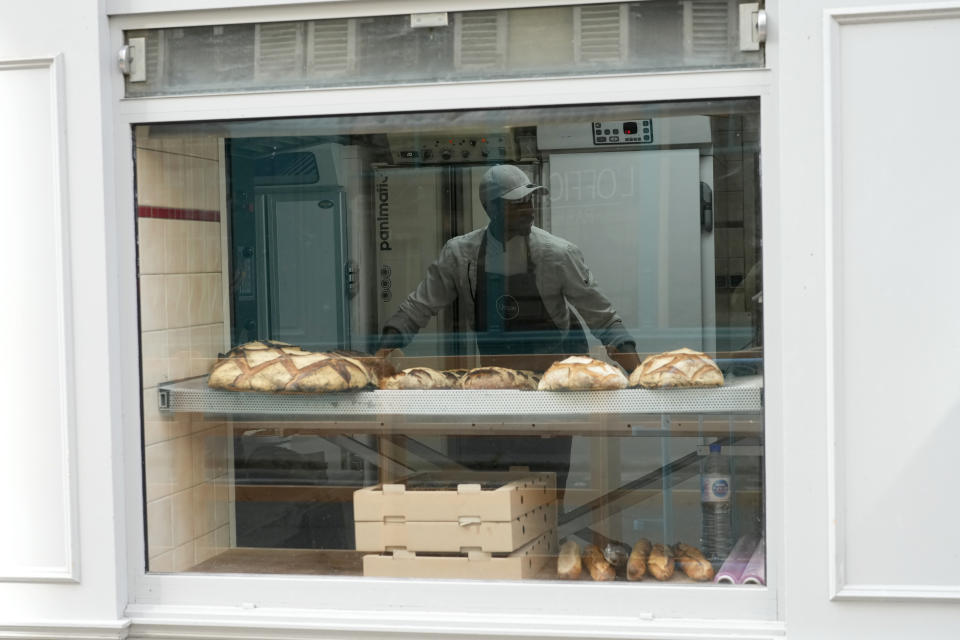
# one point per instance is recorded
(182, 329)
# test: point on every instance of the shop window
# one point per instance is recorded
(519, 265)
(655, 35)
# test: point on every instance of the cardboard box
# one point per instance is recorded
(536, 559)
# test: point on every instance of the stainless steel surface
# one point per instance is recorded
(741, 396)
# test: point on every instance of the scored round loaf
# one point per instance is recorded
(580, 373)
(679, 368)
(416, 378)
(496, 378)
(276, 366)
(453, 377)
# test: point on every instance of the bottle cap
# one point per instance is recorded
(715, 447)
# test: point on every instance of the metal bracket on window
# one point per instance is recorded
(753, 26)
(132, 59)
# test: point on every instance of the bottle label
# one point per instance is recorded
(715, 488)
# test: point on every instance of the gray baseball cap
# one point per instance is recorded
(506, 181)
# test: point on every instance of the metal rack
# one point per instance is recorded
(740, 396)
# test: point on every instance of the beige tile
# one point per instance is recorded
(198, 305)
(199, 350)
(183, 557)
(217, 338)
(221, 495)
(204, 505)
(214, 298)
(155, 358)
(182, 522)
(153, 308)
(150, 245)
(162, 563)
(159, 471)
(149, 178)
(177, 300)
(183, 463)
(178, 346)
(205, 548)
(196, 243)
(222, 538)
(212, 260)
(206, 194)
(159, 526)
(203, 146)
(176, 246)
(209, 454)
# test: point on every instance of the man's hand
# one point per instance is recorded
(626, 356)
(390, 341)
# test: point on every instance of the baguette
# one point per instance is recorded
(692, 562)
(637, 562)
(569, 564)
(600, 570)
(660, 562)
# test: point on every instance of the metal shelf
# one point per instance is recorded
(739, 396)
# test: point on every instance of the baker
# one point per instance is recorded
(517, 281)
(518, 285)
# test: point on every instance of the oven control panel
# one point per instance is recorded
(623, 132)
(445, 149)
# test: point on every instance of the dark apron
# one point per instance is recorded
(511, 317)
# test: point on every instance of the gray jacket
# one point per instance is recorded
(562, 277)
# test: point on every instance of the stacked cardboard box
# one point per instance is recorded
(458, 524)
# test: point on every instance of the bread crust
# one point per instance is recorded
(416, 378)
(678, 368)
(569, 564)
(275, 366)
(660, 562)
(496, 378)
(579, 373)
(637, 562)
(600, 570)
(692, 562)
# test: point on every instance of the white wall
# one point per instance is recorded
(68, 581)
(868, 135)
(60, 554)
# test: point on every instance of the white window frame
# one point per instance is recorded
(444, 607)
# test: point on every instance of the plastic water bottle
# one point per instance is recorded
(717, 519)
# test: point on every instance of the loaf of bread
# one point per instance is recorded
(416, 378)
(692, 562)
(680, 368)
(453, 377)
(597, 565)
(378, 367)
(495, 378)
(637, 562)
(660, 562)
(579, 373)
(569, 564)
(276, 366)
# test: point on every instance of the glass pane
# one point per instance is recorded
(655, 35)
(411, 344)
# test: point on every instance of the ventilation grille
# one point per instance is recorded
(278, 50)
(331, 46)
(710, 32)
(480, 40)
(600, 33)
